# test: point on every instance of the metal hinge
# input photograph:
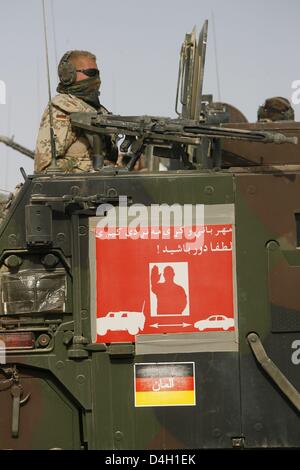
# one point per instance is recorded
(12, 381)
(272, 370)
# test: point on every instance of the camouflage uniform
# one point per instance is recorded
(73, 149)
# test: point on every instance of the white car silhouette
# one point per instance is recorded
(215, 322)
(121, 321)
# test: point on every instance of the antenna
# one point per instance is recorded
(216, 55)
(53, 166)
(54, 31)
(8, 131)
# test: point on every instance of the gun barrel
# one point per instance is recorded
(233, 134)
(19, 148)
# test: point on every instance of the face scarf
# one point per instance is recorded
(87, 90)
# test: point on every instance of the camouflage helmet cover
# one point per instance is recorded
(276, 109)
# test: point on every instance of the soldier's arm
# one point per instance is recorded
(155, 277)
(64, 137)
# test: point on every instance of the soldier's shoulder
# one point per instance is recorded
(70, 103)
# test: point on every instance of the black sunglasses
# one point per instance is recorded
(89, 72)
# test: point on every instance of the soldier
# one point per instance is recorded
(171, 297)
(275, 109)
(78, 92)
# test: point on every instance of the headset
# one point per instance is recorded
(66, 70)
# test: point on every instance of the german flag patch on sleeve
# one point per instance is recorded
(61, 117)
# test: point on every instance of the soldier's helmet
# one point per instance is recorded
(276, 108)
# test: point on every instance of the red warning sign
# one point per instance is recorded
(146, 285)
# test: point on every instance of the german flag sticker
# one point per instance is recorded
(165, 384)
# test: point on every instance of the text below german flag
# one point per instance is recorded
(165, 384)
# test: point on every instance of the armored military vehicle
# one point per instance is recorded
(159, 309)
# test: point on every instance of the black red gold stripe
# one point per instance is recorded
(165, 384)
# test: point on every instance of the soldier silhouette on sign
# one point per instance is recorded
(171, 298)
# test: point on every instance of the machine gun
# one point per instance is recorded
(191, 141)
(170, 138)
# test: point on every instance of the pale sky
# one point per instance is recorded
(137, 43)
